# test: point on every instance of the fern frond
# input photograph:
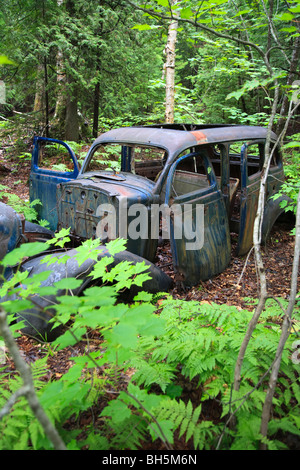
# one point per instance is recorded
(129, 433)
(159, 373)
(186, 420)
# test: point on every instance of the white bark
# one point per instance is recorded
(169, 69)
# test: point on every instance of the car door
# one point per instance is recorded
(201, 247)
(53, 162)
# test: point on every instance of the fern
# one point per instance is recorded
(129, 433)
(185, 419)
(149, 373)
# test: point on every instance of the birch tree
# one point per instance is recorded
(169, 66)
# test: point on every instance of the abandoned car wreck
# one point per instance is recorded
(194, 184)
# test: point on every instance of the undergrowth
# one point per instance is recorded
(156, 347)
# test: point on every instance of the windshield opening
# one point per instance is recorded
(137, 159)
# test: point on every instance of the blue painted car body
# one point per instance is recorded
(200, 161)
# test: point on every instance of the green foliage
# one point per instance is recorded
(21, 206)
(188, 342)
(291, 186)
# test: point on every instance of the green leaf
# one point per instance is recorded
(26, 250)
(117, 410)
(116, 246)
(14, 306)
(143, 297)
(69, 339)
(68, 283)
(163, 3)
(125, 335)
(100, 269)
(186, 12)
(5, 60)
(142, 27)
(284, 17)
(295, 9)
(164, 431)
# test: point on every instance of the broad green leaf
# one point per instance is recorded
(290, 29)
(116, 246)
(68, 283)
(163, 3)
(143, 297)
(142, 27)
(163, 430)
(186, 12)
(117, 410)
(284, 17)
(5, 60)
(14, 306)
(154, 327)
(149, 400)
(16, 279)
(100, 268)
(295, 9)
(125, 335)
(26, 250)
(99, 295)
(69, 339)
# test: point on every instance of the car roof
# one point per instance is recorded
(178, 137)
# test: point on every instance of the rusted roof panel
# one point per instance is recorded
(175, 140)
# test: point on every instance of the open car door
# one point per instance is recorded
(53, 162)
(204, 248)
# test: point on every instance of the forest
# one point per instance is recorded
(213, 367)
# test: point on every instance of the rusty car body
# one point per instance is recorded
(215, 167)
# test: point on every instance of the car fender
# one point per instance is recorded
(37, 318)
(10, 229)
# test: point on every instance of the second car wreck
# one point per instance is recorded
(194, 184)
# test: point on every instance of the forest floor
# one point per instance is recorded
(237, 283)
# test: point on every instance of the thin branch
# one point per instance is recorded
(28, 388)
(286, 328)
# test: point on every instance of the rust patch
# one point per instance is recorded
(200, 136)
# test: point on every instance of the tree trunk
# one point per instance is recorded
(46, 98)
(61, 86)
(96, 104)
(72, 123)
(59, 117)
(39, 91)
(66, 122)
(169, 68)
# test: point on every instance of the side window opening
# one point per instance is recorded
(228, 178)
(53, 156)
(190, 175)
(255, 159)
(276, 160)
